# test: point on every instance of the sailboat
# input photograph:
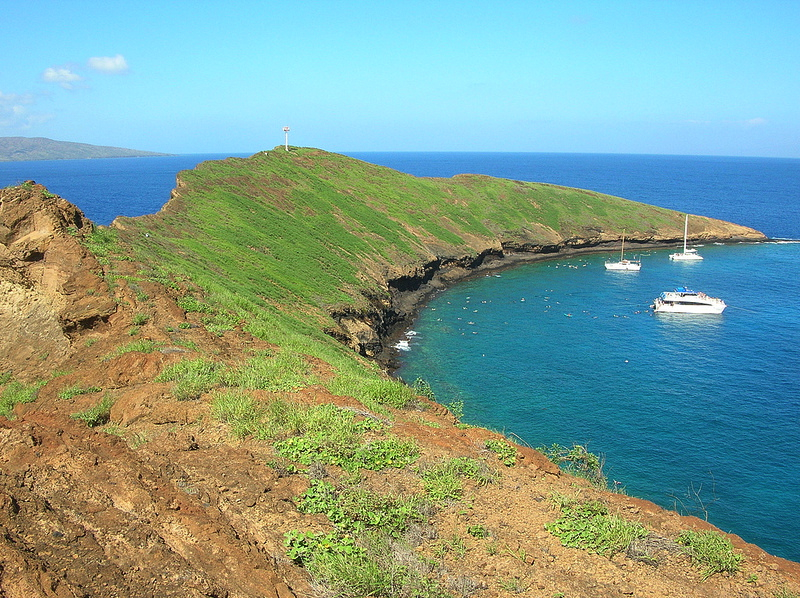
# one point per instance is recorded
(623, 264)
(689, 254)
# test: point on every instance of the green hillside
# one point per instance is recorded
(283, 241)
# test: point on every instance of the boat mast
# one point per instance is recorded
(685, 231)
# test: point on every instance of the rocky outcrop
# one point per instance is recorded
(49, 283)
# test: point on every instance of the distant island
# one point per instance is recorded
(14, 149)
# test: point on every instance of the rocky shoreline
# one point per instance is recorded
(410, 293)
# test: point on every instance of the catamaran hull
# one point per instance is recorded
(661, 307)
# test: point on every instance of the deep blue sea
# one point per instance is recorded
(107, 188)
(698, 413)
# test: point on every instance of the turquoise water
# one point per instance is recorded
(698, 413)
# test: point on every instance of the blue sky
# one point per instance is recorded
(700, 77)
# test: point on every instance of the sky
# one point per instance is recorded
(687, 77)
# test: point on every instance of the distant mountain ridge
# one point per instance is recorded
(13, 149)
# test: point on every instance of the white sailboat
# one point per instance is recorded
(623, 264)
(689, 254)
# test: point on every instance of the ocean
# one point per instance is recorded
(700, 413)
(105, 188)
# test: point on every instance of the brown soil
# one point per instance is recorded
(165, 502)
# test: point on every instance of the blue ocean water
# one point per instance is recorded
(110, 187)
(701, 414)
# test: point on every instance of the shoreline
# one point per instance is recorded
(407, 304)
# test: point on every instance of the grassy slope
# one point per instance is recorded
(280, 238)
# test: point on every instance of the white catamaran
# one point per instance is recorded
(686, 301)
(689, 254)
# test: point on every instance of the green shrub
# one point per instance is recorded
(284, 371)
(220, 322)
(101, 242)
(238, 409)
(422, 388)
(140, 319)
(354, 576)
(711, 550)
(354, 509)
(304, 547)
(578, 461)
(375, 392)
(478, 531)
(590, 527)
(392, 393)
(96, 415)
(140, 346)
(505, 452)
(369, 566)
(192, 304)
(442, 480)
(456, 408)
(339, 448)
(15, 393)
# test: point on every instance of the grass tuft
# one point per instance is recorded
(710, 550)
(15, 393)
(76, 390)
(192, 377)
(97, 415)
(442, 480)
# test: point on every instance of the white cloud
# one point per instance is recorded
(755, 122)
(15, 112)
(61, 75)
(109, 64)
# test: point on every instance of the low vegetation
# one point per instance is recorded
(589, 525)
(710, 551)
(98, 414)
(506, 453)
(77, 390)
(14, 392)
(192, 377)
(578, 461)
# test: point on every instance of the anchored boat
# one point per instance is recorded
(686, 301)
(623, 264)
(689, 254)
